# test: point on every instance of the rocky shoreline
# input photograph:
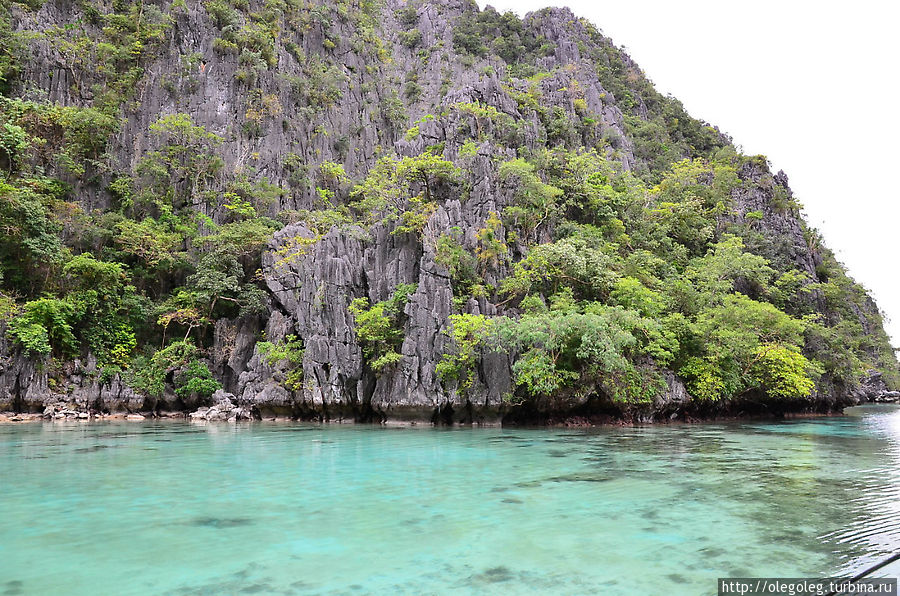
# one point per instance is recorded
(225, 407)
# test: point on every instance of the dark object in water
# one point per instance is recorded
(221, 522)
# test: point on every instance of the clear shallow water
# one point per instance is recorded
(170, 508)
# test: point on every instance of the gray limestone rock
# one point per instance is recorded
(225, 407)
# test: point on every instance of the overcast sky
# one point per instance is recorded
(811, 85)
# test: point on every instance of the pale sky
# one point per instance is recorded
(812, 85)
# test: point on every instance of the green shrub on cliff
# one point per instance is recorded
(460, 263)
(468, 333)
(289, 354)
(30, 247)
(572, 348)
(45, 326)
(379, 326)
(536, 203)
(405, 189)
(782, 372)
(177, 363)
(196, 380)
(748, 345)
(31, 335)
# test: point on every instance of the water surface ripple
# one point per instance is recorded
(176, 509)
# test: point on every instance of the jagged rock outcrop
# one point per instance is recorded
(23, 385)
(224, 408)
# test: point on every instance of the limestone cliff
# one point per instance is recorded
(287, 86)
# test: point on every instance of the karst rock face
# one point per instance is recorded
(289, 86)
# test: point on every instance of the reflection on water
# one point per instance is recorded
(290, 509)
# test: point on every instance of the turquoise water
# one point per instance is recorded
(172, 508)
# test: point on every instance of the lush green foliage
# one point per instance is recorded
(643, 277)
(45, 324)
(406, 189)
(572, 348)
(287, 354)
(196, 380)
(502, 34)
(178, 249)
(177, 363)
(457, 367)
(379, 327)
